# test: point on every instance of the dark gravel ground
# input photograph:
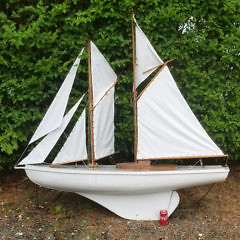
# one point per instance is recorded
(69, 216)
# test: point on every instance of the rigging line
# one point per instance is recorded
(201, 198)
(159, 71)
(198, 161)
(85, 163)
(21, 156)
(170, 201)
(113, 85)
(226, 162)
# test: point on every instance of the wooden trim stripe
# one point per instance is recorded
(184, 157)
(59, 164)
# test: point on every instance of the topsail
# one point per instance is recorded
(147, 59)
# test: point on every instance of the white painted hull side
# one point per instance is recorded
(138, 195)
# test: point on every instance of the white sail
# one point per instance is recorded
(103, 76)
(103, 125)
(165, 118)
(103, 79)
(41, 151)
(54, 115)
(146, 57)
(74, 148)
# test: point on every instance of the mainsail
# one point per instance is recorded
(41, 151)
(103, 81)
(54, 115)
(164, 116)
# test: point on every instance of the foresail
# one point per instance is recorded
(74, 148)
(103, 125)
(167, 127)
(41, 151)
(147, 60)
(103, 76)
(103, 82)
(54, 115)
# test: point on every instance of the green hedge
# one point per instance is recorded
(40, 39)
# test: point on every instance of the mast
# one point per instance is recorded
(91, 104)
(134, 93)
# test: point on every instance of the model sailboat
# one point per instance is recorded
(165, 128)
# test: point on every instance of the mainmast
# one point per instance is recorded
(134, 93)
(91, 105)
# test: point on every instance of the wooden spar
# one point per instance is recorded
(113, 85)
(91, 103)
(183, 157)
(134, 93)
(150, 69)
(58, 164)
(162, 67)
(148, 167)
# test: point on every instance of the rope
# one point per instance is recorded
(170, 201)
(21, 156)
(201, 198)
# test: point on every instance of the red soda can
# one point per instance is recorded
(163, 217)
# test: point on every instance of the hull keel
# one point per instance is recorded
(139, 206)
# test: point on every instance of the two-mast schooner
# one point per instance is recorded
(165, 128)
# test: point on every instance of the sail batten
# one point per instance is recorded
(44, 147)
(54, 115)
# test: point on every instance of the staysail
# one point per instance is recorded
(103, 82)
(164, 116)
(74, 148)
(41, 151)
(54, 115)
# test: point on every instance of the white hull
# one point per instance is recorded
(138, 195)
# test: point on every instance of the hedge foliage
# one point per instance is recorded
(39, 41)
